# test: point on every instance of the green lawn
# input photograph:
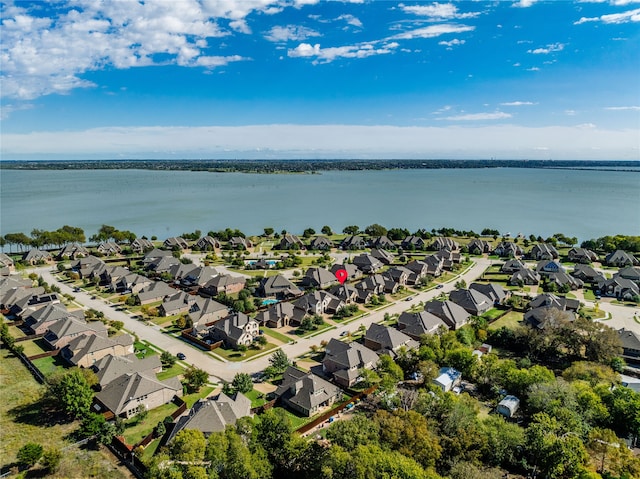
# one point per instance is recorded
(137, 430)
(33, 347)
(492, 314)
(233, 355)
(297, 421)
(257, 398)
(276, 335)
(589, 295)
(143, 349)
(307, 334)
(191, 399)
(172, 372)
(15, 332)
(591, 313)
(509, 320)
(49, 365)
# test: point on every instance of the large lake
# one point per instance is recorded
(582, 203)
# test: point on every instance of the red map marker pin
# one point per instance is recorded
(342, 275)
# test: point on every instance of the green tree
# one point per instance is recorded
(242, 383)
(502, 442)
(326, 230)
(195, 378)
(375, 230)
(360, 430)
(274, 434)
(268, 231)
(188, 445)
(351, 230)
(51, 460)
(71, 391)
(279, 361)
(29, 454)
(167, 359)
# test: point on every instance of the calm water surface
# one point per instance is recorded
(579, 203)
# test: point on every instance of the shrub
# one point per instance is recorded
(29, 454)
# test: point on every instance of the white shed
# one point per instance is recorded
(447, 378)
(508, 406)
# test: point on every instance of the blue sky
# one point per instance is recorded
(308, 79)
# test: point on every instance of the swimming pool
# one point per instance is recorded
(267, 302)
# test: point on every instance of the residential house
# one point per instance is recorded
(316, 277)
(620, 288)
(35, 256)
(382, 255)
(353, 272)
(109, 274)
(141, 245)
(13, 288)
(472, 301)
(345, 292)
(175, 243)
(125, 394)
(279, 287)
(386, 340)
(319, 302)
(631, 273)
(109, 248)
(630, 341)
(448, 258)
(87, 266)
(441, 242)
(551, 300)
(153, 255)
(15, 298)
(40, 320)
(413, 242)
(130, 283)
(367, 263)
(204, 311)
(542, 251)
(478, 246)
(238, 242)
(343, 361)
(63, 331)
(87, 349)
(73, 251)
(547, 266)
(112, 367)
(508, 249)
(353, 242)
(508, 406)
(587, 274)
(289, 241)
(378, 284)
(7, 265)
(562, 279)
(321, 243)
(400, 274)
(435, 265)
(306, 393)
(235, 330)
(213, 415)
(621, 258)
(524, 276)
(162, 264)
(448, 378)
(261, 263)
(544, 316)
(224, 283)
(382, 242)
(582, 255)
(281, 314)
(177, 303)
(493, 291)
(512, 265)
(26, 305)
(156, 291)
(418, 324)
(451, 313)
(208, 243)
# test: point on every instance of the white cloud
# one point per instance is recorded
(438, 11)
(570, 112)
(613, 18)
(452, 43)
(551, 48)
(524, 3)
(290, 32)
(533, 69)
(498, 115)
(329, 54)
(432, 31)
(622, 108)
(41, 56)
(351, 20)
(518, 103)
(335, 141)
(617, 3)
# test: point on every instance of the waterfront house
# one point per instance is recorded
(35, 256)
(208, 243)
(343, 361)
(306, 393)
(109, 248)
(290, 241)
(442, 242)
(321, 243)
(621, 258)
(542, 251)
(141, 245)
(581, 255)
(353, 242)
(382, 242)
(72, 251)
(238, 242)
(175, 243)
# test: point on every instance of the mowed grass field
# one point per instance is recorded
(22, 420)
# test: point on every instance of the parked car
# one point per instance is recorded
(440, 286)
(181, 356)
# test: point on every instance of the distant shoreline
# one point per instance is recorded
(313, 166)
